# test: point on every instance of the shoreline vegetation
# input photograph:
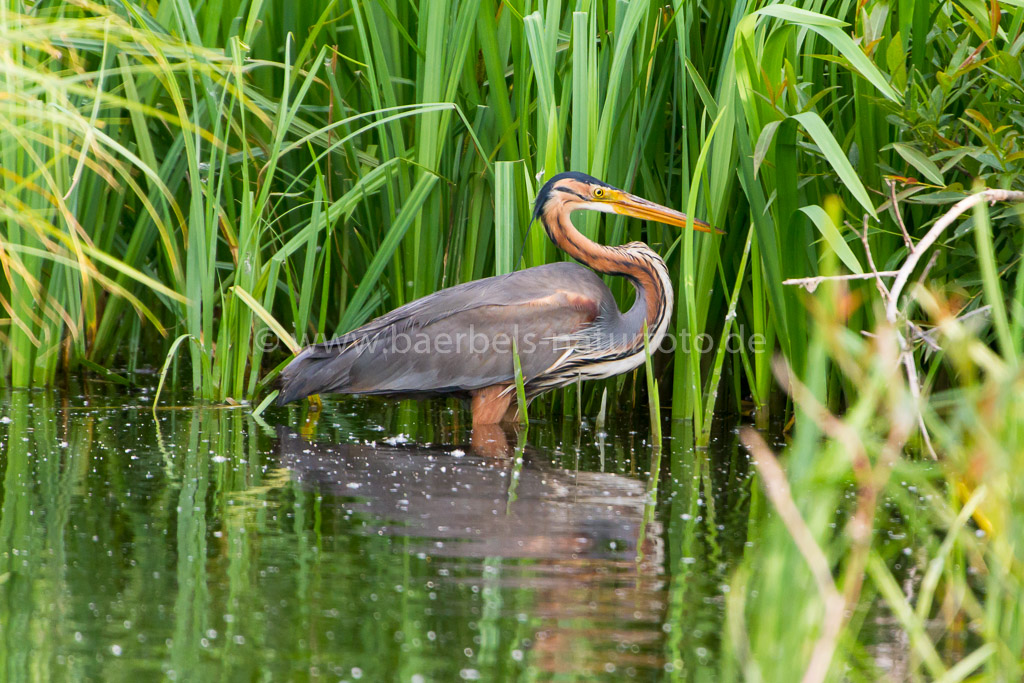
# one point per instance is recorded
(178, 182)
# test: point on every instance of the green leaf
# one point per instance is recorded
(504, 215)
(991, 283)
(392, 239)
(167, 364)
(800, 16)
(520, 384)
(830, 29)
(764, 143)
(268, 319)
(918, 160)
(823, 222)
(826, 142)
(653, 398)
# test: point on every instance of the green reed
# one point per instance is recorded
(224, 176)
(934, 544)
(165, 167)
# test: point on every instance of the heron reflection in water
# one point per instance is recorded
(563, 318)
(576, 540)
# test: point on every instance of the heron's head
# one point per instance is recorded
(574, 191)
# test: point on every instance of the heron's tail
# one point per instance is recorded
(319, 369)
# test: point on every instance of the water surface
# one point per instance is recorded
(377, 543)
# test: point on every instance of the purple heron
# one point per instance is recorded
(561, 318)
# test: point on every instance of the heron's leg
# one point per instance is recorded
(490, 404)
(490, 441)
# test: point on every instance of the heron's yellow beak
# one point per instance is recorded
(637, 207)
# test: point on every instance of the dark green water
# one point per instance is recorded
(207, 545)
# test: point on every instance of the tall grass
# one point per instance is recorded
(933, 545)
(165, 167)
(189, 184)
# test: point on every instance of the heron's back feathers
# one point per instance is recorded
(459, 339)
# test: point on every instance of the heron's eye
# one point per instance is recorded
(598, 192)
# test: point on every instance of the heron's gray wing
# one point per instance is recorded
(458, 339)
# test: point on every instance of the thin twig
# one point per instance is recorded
(899, 216)
(882, 289)
(811, 283)
(863, 522)
(936, 230)
(928, 336)
(831, 425)
(928, 268)
(915, 391)
(918, 333)
(892, 304)
(777, 488)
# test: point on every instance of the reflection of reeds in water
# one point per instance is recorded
(214, 525)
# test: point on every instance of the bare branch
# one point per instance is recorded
(899, 216)
(936, 230)
(882, 289)
(811, 283)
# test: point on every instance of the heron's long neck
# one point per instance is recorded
(644, 268)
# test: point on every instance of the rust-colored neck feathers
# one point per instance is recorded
(635, 261)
